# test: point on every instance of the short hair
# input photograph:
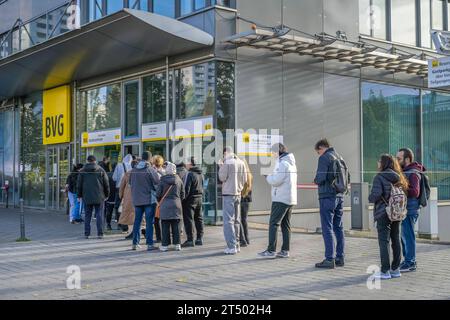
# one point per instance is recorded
(146, 155)
(407, 153)
(322, 143)
(279, 148)
(91, 158)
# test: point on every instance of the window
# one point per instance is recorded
(391, 120)
(95, 9)
(164, 7)
(187, 6)
(199, 4)
(131, 109)
(103, 108)
(113, 6)
(372, 18)
(139, 4)
(436, 134)
(154, 100)
(225, 96)
(403, 21)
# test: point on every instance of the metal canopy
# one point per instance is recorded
(330, 49)
(124, 39)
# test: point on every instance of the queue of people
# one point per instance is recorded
(165, 197)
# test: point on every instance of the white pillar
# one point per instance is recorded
(428, 218)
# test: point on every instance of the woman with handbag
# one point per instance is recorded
(169, 194)
(126, 218)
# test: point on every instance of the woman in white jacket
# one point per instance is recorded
(284, 197)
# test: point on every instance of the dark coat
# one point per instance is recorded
(381, 189)
(325, 175)
(171, 207)
(112, 188)
(143, 180)
(194, 184)
(412, 172)
(93, 184)
(71, 181)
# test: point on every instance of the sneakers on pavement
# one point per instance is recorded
(151, 248)
(339, 262)
(267, 255)
(163, 249)
(326, 264)
(395, 273)
(407, 267)
(199, 242)
(231, 251)
(382, 275)
(283, 254)
(134, 247)
(177, 247)
(188, 244)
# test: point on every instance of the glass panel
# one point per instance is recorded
(154, 102)
(35, 32)
(391, 120)
(200, 4)
(364, 17)
(52, 174)
(164, 7)
(372, 19)
(425, 16)
(156, 148)
(2, 179)
(15, 41)
(223, 3)
(95, 9)
(113, 152)
(139, 4)
(186, 6)
(64, 170)
(103, 108)
(436, 135)
(438, 14)
(5, 46)
(225, 96)
(131, 109)
(113, 6)
(59, 19)
(33, 153)
(403, 29)
(196, 91)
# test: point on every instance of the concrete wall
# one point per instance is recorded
(444, 223)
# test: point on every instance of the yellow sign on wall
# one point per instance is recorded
(56, 115)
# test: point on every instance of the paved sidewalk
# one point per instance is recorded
(110, 270)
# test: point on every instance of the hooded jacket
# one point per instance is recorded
(325, 175)
(232, 175)
(93, 184)
(194, 184)
(412, 172)
(143, 180)
(284, 180)
(120, 169)
(381, 189)
(171, 207)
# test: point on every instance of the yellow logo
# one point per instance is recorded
(435, 63)
(208, 126)
(56, 115)
(246, 137)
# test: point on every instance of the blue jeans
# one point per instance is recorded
(98, 216)
(408, 234)
(331, 212)
(74, 207)
(149, 221)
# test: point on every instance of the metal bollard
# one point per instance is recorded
(22, 223)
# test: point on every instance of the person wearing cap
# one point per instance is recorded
(233, 177)
(170, 194)
(283, 181)
(93, 189)
(143, 180)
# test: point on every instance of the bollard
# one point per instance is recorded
(22, 224)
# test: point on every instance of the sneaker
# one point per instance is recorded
(129, 237)
(243, 244)
(134, 247)
(382, 275)
(188, 244)
(339, 262)
(163, 249)
(267, 255)
(326, 264)
(407, 267)
(395, 273)
(73, 222)
(283, 254)
(238, 248)
(177, 247)
(199, 242)
(108, 227)
(152, 248)
(229, 251)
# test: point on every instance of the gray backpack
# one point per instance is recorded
(396, 206)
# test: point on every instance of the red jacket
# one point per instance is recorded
(414, 179)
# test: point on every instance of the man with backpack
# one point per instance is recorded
(418, 195)
(333, 180)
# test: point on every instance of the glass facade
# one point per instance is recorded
(154, 98)
(164, 8)
(131, 109)
(403, 30)
(103, 108)
(372, 18)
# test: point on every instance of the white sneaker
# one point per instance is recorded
(163, 249)
(238, 248)
(178, 247)
(134, 247)
(229, 251)
(382, 275)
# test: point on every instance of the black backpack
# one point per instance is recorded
(425, 189)
(341, 175)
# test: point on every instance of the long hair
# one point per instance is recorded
(249, 184)
(389, 162)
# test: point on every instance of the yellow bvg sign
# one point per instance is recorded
(56, 115)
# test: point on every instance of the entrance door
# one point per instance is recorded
(131, 148)
(58, 168)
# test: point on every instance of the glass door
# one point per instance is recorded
(64, 168)
(58, 168)
(2, 179)
(132, 148)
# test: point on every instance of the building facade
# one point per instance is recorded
(130, 78)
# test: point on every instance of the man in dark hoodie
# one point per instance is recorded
(93, 189)
(143, 180)
(192, 204)
(413, 171)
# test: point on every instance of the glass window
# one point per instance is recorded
(372, 18)
(391, 120)
(199, 4)
(164, 7)
(223, 3)
(403, 21)
(54, 18)
(95, 9)
(425, 17)
(139, 4)
(5, 45)
(225, 96)
(103, 108)
(113, 6)
(36, 31)
(187, 6)
(195, 96)
(436, 135)
(154, 100)
(157, 148)
(131, 109)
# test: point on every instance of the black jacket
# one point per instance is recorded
(194, 184)
(381, 189)
(171, 207)
(93, 184)
(71, 181)
(112, 188)
(325, 175)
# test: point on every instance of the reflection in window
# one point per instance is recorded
(436, 135)
(131, 109)
(95, 9)
(103, 108)
(225, 96)
(432, 17)
(199, 4)
(187, 6)
(113, 6)
(139, 4)
(164, 7)
(154, 100)
(372, 18)
(404, 22)
(391, 120)
(196, 91)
